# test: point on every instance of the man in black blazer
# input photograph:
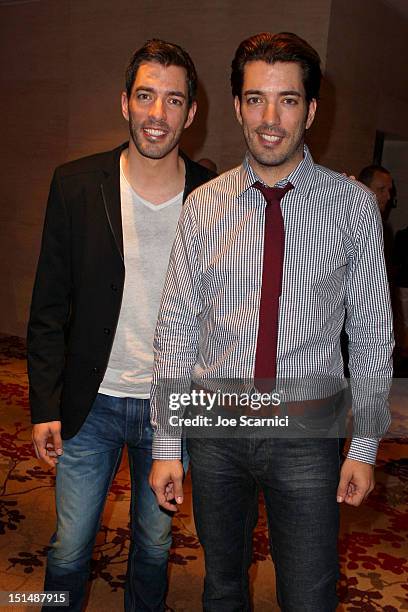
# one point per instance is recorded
(108, 232)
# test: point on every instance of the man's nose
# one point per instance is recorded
(271, 113)
(158, 109)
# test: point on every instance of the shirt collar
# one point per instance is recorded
(302, 177)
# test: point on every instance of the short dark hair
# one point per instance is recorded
(367, 174)
(282, 47)
(166, 54)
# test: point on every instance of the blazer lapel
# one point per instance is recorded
(110, 192)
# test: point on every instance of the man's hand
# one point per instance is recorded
(356, 482)
(166, 480)
(47, 441)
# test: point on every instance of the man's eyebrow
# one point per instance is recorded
(290, 92)
(253, 92)
(179, 94)
(259, 92)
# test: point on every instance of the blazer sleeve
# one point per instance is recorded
(50, 310)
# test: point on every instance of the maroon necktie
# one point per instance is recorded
(274, 246)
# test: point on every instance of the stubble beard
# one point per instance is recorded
(274, 158)
(154, 150)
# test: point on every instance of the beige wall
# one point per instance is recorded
(366, 69)
(62, 72)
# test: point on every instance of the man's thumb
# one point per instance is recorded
(58, 443)
(178, 491)
(342, 488)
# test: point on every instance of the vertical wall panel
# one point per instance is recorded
(366, 65)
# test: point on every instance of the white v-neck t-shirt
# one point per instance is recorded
(148, 235)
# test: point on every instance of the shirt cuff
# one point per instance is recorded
(363, 449)
(166, 448)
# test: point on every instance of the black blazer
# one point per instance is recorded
(78, 287)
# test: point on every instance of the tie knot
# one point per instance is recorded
(273, 194)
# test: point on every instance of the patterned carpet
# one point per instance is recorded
(373, 544)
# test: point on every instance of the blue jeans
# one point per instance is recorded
(84, 475)
(299, 478)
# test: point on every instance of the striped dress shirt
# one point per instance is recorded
(333, 271)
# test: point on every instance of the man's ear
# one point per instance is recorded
(125, 105)
(237, 105)
(311, 112)
(190, 115)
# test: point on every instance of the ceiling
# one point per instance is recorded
(399, 5)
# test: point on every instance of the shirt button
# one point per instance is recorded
(95, 370)
(114, 287)
(106, 331)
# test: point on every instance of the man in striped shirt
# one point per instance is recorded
(209, 328)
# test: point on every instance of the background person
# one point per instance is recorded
(379, 180)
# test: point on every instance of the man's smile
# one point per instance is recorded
(154, 133)
(270, 138)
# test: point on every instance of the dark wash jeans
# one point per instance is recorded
(299, 478)
(84, 475)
